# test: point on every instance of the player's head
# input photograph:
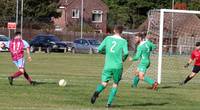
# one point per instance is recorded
(198, 45)
(149, 35)
(118, 29)
(139, 38)
(18, 35)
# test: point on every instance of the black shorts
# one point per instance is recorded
(196, 69)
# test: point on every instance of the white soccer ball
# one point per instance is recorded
(62, 83)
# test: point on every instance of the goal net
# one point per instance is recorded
(175, 34)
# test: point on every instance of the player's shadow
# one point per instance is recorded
(38, 83)
(45, 82)
(163, 87)
(142, 104)
(150, 104)
(167, 87)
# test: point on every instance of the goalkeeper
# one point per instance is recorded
(195, 56)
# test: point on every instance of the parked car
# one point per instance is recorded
(70, 46)
(86, 45)
(47, 43)
(4, 39)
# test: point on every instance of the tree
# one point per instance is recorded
(132, 13)
(194, 5)
(35, 11)
(41, 10)
(7, 8)
(38, 13)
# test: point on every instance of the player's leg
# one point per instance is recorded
(142, 71)
(188, 78)
(112, 94)
(22, 69)
(16, 74)
(106, 75)
(117, 74)
(28, 78)
(136, 79)
(195, 70)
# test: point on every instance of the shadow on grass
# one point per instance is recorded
(44, 82)
(167, 87)
(163, 87)
(143, 104)
(37, 83)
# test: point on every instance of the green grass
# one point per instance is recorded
(82, 73)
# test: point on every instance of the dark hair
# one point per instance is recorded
(149, 33)
(17, 33)
(197, 43)
(118, 29)
(141, 35)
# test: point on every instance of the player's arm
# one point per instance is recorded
(190, 60)
(153, 46)
(188, 63)
(27, 46)
(137, 55)
(28, 54)
(125, 51)
(101, 48)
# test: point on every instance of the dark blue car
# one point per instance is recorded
(47, 43)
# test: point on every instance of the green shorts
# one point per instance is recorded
(107, 74)
(143, 68)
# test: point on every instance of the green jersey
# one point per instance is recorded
(116, 50)
(151, 45)
(143, 52)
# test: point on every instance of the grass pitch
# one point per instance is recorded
(82, 73)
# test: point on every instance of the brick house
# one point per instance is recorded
(94, 14)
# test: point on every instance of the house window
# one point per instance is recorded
(98, 31)
(97, 15)
(75, 13)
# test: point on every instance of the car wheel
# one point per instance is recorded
(73, 51)
(91, 51)
(66, 50)
(48, 49)
(32, 49)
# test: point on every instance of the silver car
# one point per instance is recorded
(86, 45)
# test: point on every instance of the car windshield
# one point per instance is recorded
(4, 38)
(94, 42)
(53, 38)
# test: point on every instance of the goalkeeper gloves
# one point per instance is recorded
(186, 65)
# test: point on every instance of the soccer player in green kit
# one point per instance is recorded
(144, 48)
(116, 52)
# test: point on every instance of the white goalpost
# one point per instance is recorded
(175, 33)
(161, 33)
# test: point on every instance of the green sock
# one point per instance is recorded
(148, 80)
(100, 88)
(112, 95)
(135, 81)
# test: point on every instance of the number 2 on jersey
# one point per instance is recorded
(114, 43)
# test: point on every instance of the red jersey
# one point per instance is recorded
(196, 56)
(16, 48)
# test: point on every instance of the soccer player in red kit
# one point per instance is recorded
(195, 56)
(16, 47)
